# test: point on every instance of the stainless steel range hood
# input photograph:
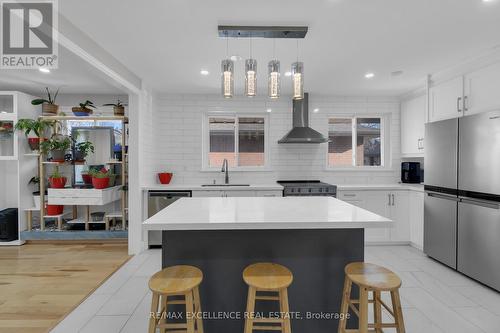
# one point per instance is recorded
(301, 132)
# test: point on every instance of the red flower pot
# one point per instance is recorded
(57, 182)
(165, 177)
(100, 183)
(34, 143)
(87, 179)
(54, 209)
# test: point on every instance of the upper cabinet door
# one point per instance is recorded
(413, 126)
(482, 90)
(446, 100)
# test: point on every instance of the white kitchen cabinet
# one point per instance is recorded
(378, 203)
(446, 100)
(413, 126)
(482, 90)
(416, 212)
(268, 193)
(390, 204)
(399, 214)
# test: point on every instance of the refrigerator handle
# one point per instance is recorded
(443, 196)
(487, 204)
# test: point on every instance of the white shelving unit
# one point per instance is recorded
(17, 163)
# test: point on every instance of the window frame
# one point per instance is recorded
(226, 114)
(385, 147)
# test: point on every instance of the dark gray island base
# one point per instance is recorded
(316, 258)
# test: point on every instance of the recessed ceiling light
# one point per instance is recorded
(316, 110)
(288, 73)
(369, 75)
(204, 72)
(269, 110)
(489, 0)
(44, 70)
(236, 57)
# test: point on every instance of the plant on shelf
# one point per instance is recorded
(57, 146)
(84, 109)
(56, 179)
(100, 178)
(49, 106)
(82, 150)
(34, 130)
(118, 107)
(35, 181)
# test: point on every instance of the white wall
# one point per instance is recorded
(177, 139)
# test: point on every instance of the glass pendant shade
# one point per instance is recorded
(298, 80)
(227, 67)
(251, 77)
(273, 80)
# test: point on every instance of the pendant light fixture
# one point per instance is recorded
(227, 74)
(298, 77)
(273, 80)
(251, 75)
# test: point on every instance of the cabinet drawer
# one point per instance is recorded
(269, 193)
(349, 195)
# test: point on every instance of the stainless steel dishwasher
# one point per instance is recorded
(157, 200)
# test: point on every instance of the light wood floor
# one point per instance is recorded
(42, 283)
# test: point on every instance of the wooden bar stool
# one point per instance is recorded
(177, 282)
(267, 277)
(374, 279)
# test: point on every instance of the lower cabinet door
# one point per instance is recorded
(377, 202)
(400, 232)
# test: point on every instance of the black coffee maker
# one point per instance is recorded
(411, 173)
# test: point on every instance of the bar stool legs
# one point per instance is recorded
(273, 280)
(375, 280)
(173, 286)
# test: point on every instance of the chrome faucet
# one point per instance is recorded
(225, 168)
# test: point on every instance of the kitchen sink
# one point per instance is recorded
(219, 185)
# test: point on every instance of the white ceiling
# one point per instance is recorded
(167, 43)
(74, 76)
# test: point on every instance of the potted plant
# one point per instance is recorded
(82, 150)
(84, 109)
(49, 106)
(33, 129)
(100, 178)
(35, 180)
(118, 107)
(57, 146)
(56, 180)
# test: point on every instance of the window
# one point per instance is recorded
(240, 140)
(355, 142)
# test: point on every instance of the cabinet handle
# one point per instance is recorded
(458, 104)
(393, 199)
(466, 98)
(349, 195)
(389, 196)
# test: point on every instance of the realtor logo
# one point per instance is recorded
(29, 34)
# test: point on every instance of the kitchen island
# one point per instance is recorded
(315, 237)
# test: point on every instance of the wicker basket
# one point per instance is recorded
(50, 109)
(119, 110)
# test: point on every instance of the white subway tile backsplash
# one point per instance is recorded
(174, 141)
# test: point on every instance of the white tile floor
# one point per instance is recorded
(434, 298)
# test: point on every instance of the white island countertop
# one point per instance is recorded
(216, 213)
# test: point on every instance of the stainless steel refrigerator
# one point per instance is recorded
(462, 201)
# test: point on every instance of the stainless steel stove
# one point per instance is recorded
(307, 188)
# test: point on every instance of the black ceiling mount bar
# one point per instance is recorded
(235, 31)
